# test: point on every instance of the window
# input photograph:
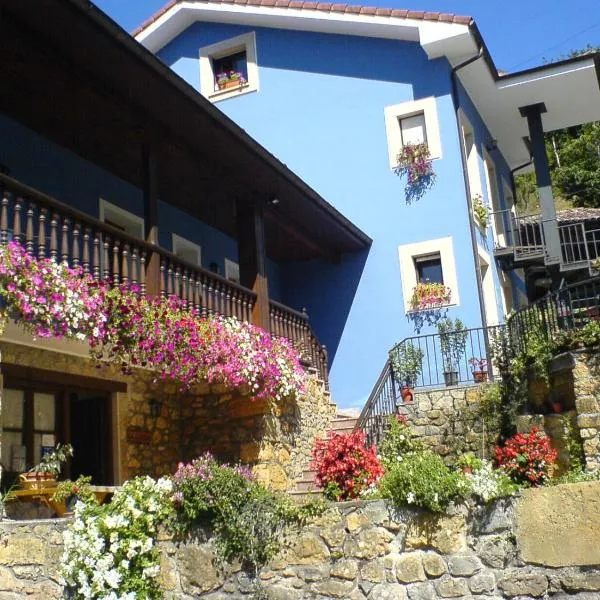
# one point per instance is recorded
(232, 271)
(228, 68)
(122, 219)
(431, 261)
(230, 71)
(186, 250)
(413, 122)
(429, 269)
(412, 130)
(37, 414)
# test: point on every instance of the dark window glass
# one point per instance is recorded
(430, 270)
(234, 62)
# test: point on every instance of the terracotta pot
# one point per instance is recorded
(37, 480)
(556, 407)
(480, 376)
(407, 394)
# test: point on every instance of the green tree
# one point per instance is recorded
(574, 157)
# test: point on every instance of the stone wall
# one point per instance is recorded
(575, 391)
(445, 420)
(541, 545)
(275, 439)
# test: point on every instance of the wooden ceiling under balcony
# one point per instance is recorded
(71, 74)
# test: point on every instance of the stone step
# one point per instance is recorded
(305, 496)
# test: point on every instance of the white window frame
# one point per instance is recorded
(408, 272)
(181, 243)
(489, 289)
(394, 114)
(106, 208)
(245, 42)
(232, 271)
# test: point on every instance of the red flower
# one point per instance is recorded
(527, 457)
(344, 460)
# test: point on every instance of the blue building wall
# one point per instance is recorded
(69, 178)
(320, 110)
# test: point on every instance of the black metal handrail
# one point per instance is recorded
(436, 367)
(568, 308)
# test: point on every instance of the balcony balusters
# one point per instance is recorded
(50, 229)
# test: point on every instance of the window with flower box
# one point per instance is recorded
(228, 68)
(411, 124)
(428, 274)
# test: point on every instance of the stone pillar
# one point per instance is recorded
(533, 114)
(586, 382)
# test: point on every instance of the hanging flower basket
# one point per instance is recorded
(430, 295)
(414, 162)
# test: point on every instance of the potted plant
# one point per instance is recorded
(479, 368)
(407, 362)
(453, 343)
(68, 492)
(481, 211)
(429, 295)
(414, 161)
(44, 474)
(232, 79)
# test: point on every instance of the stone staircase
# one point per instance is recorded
(306, 487)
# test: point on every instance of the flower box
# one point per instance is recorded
(430, 295)
(37, 480)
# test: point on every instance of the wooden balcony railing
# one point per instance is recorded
(49, 228)
(294, 325)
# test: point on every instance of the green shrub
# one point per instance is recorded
(422, 480)
(249, 521)
(397, 442)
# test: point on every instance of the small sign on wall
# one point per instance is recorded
(135, 435)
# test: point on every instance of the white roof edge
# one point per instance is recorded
(545, 71)
(437, 38)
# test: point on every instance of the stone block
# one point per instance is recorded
(373, 571)
(197, 571)
(368, 543)
(463, 566)
(581, 582)
(345, 569)
(553, 525)
(409, 568)
(422, 591)
(451, 588)
(388, 591)
(356, 520)
(515, 583)
(588, 420)
(482, 583)
(433, 564)
(496, 551)
(439, 532)
(334, 588)
(308, 550)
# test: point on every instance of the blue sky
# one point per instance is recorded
(519, 33)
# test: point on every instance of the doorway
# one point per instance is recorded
(89, 432)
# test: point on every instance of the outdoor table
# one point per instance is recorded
(44, 495)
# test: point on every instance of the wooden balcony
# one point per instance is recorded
(49, 228)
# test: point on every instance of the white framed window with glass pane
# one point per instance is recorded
(431, 261)
(413, 122)
(28, 427)
(228, 68)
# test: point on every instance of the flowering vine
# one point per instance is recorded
(414, 161)
(130, 329)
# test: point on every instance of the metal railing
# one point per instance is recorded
(48, 228)
(568, 308)
(438, 365)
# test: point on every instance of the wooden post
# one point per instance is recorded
(252, 258)
(151, 220)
